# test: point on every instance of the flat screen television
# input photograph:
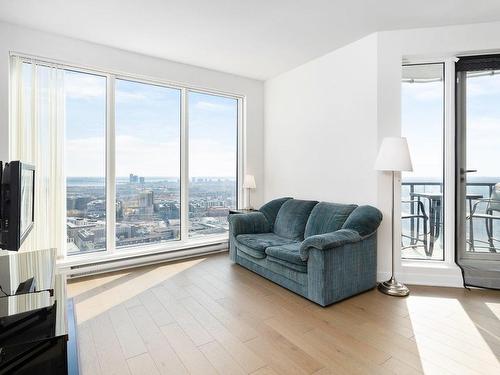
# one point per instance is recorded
(17, 203)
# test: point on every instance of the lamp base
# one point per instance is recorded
(393, 288)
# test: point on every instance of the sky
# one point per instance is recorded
(422, 124)
(147, 122)
(148, 128)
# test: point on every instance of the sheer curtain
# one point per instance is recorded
(36, 136)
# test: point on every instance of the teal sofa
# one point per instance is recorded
(323, 251)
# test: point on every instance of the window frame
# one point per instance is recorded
(184, 242)
(444, 161)
(419, 267)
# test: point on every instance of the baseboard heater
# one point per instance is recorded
(139, 260)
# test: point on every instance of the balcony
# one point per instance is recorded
(416, 244)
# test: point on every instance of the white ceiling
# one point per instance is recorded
(253, 38)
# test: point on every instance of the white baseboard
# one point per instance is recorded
(138, 261)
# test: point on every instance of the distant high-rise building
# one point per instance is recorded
(146, 202)
(141, 180)
(133, 179)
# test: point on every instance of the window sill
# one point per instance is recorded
(103, 256)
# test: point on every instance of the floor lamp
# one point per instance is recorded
(393, 156)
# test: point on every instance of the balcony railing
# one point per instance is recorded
(412, 184)
(414, 249)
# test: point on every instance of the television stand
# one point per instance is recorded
(34, 325)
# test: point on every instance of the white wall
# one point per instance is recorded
(321, 125)
(325, 120)
(27, 41)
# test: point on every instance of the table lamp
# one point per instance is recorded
(393, 156)
(248, 183)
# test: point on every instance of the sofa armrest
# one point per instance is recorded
(254, 222)
(328, 241)
(343, 271)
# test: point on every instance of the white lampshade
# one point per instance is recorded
(394, 155)
(249, 182)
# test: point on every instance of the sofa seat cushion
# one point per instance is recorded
(287, 255)
(256, 244)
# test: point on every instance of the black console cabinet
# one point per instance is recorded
(33, 326)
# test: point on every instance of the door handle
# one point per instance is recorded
(464, 171)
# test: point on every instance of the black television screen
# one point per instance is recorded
(17, 203)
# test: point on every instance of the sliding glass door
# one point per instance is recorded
(478, 170)
(479, 166)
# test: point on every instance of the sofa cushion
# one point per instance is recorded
(327, 217)
(287, 255)
(256, 244)
(292, 218)
(271, 209)
(364, 220)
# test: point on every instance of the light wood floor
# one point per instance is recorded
(207, 316)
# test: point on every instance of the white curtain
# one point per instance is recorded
(37, 123)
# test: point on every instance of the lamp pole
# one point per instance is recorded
(392, 228)
(393, 287)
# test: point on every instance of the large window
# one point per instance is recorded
(422, 193)
(145, 163)
(213, 125)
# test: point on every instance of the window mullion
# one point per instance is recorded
(184, 166)
(110, 165)
(241, 162)
(449, 160)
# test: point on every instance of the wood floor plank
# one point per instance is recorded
(220, 359)
(142, 365)
(89, 360)
(192, 358)
(392, 343)
(155, 308)
(130, 340)
(332, 357)
(265, 371)
(165, 358)
(236, 326)
(184, 319)
(397, 367)
(111, 358)
(247, 359)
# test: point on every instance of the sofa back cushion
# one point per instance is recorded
(271, 208)
(292, 218)
(364, 220)
(327, 217)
